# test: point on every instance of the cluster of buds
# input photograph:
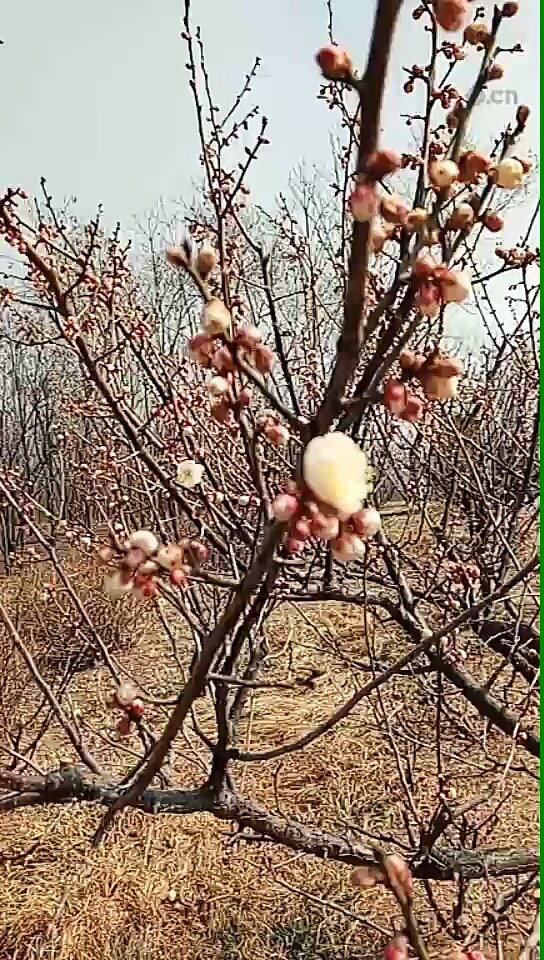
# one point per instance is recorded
(215, 348)
(182, 258)
(335, 63)
(436, 285)
(365, 203)
(401, 402)
(438, 373)
(143, 561)
(224, 399)
(517, 256)
(328, 505)
(461, 573)
(274, 431)
(127, 698)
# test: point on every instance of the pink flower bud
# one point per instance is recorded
(105, 555)
(396, 949)
(334, 63)
(302, 529)
(366, 877)
(284, 507)
(137, 708)
(245, 397)
(325, 528)
(451, 15)
(413, 410)
(200, 349)
(222, 360)
(455, 286)
(220, 410)
(394, 396)
(176, 257)
(293, 545)
(206, 261)
(199, 551)
(264, 358)
(427, 299)
(347, 548)
(248, 337)
(382, 163)
(277, 434)
(177, 577)
(493, 221)
(366, 522)
(218, 386)
(424, 268)
(364, 202)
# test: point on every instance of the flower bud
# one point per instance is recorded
(325, 528)
(415, 219)
(125, 694)
(522, 115)
(443, 173)
(462, 218)
(394, 209)
(245, 397)
(222, 360)
(105, 554)
(264, 359)
(394, 396)
(380, 232)
(199, 551)
(334, 63)
(427, 299)
(218, 386)
(302, 529)
(294, 545)
(451, 14)
(277, 434)
(424, 268)
(455, 286)
(495, 71)
(364, 203)
(366, 522)
(284, 507)
(477, 34)
(206, 261)
(509, 174)
(248, 338)
(216, 319)
(200, 349)
(366, 877)
(413, 409)
(472, 164)
(382, 163)
(220, 410)
(510, 9)
(347, 548)
(493, 221)
(169, 556)
(124, 727)
(176, 257)
(137, 709)
(178, 577)
(144, 540)
(396, 949)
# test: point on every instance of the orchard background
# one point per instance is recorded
(269, 650)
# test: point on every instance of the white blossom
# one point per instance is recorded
(336, 470)
(189, 474)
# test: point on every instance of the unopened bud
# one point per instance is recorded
(206, 261)
(382, 163)
(334, 63)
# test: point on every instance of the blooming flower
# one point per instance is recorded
(336, 470)
(189, 474)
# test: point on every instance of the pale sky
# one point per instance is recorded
(95, 98)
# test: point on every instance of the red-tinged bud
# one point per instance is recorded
(222, 360)
(136, 709)
(477, 34)
(200, 349)
(410, 362)
(424, 268)
(427, 299)
(495, 72)
(364, 203)
(325, 528)
(149, 589)
(277, 434)
(248, 338)
(334, 63)
(472, 165)
(366, 522)
(284, 507)
(245, 397)
(382, 163)
(522, 115)
(176, 257)
(451, 15)
(264, 358)
(366, 877)
(302, 529)
(462, 218)
(393, 209)
(199, 551)
(415, 220)
(394, 396)
(396, 949)
(413, 410)
(294, 546)
(177, 577)
(493, 221)
(510, 9)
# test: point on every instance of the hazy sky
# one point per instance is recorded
(95, 97)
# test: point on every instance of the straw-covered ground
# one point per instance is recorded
(183, 887)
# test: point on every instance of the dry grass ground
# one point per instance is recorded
(63, 900)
